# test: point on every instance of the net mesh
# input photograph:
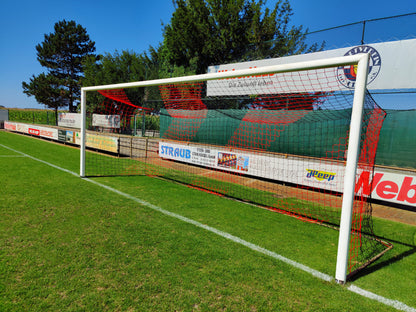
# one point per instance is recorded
(276, 140)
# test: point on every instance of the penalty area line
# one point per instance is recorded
(357, 290)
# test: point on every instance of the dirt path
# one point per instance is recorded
(395, 214)
(379, 211)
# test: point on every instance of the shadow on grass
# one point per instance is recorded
(389, 258)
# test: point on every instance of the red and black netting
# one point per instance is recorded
(184, 105)
(282, 150)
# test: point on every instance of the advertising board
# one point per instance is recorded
(390, 186)
(106, 121)
(102, 142)
(386, 59)
(10, 126)
(45, 132)
(291, 169)
(69, 120)
(398, 188)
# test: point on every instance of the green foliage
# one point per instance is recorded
(114, 68)
(203, 33)
(62, 54)
(47, 90)
(223, 31)
(43, 117)
(167, 69)
(151, 122)
(117, 68)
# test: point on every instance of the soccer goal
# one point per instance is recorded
(293, 138)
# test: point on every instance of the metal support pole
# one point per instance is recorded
(362, 35)
(144, 124)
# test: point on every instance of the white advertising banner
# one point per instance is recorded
(399, 188)
(45, 132)
(396, 187)
(70, 120)
(296, 170)
(10, 126)
(392, 66)
(106, 121)
(102, 142)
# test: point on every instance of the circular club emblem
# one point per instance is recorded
(347, 74)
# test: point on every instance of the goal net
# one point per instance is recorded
(292, 138)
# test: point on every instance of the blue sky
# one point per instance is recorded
(134, 26)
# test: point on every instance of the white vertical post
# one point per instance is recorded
(351, 169)
(83, 132)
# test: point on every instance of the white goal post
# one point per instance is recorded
(361, 61)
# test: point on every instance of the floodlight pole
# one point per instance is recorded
(83, 132)
(351, 169)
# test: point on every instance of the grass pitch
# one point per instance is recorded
(66, 244)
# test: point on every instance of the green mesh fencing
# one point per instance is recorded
(307, 138)
(397, 145)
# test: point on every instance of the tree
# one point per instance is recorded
(210, 32)
(47, 90)
(62, 53)
(115, 68)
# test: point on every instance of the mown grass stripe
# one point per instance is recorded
(364, 293)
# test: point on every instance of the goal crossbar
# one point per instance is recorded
(281, 68)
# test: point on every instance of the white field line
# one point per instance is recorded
(389, 302)
(393, 303)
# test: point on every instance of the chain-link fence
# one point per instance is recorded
(397, 145)
(399, 27)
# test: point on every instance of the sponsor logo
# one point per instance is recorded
(227, 160)
(9, 126)
(404, 192)
(41, 132)
(175, 152)
(347, 74)
(320, 175)
(46, 133)
(242, 163)
(34, 131)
